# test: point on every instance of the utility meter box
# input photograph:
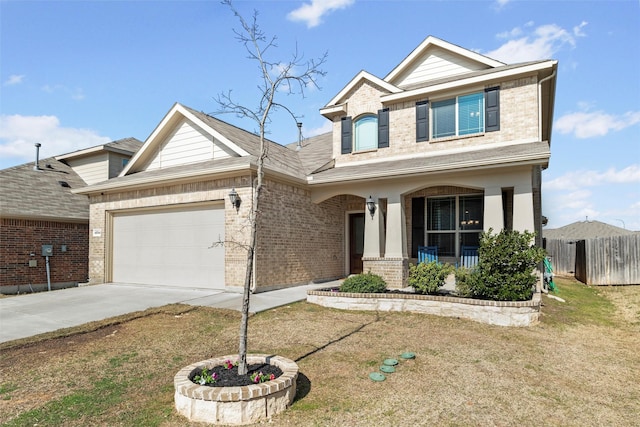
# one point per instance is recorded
(47, 250)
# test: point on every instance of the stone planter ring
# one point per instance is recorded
(235, 405)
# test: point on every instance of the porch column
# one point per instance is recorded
(373, 232)
(523, 207)
(493, 214)
(396, 246)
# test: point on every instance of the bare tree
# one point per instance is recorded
(276, 78)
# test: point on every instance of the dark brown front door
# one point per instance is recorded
(356, 242)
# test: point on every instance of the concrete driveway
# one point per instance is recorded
(32, 314)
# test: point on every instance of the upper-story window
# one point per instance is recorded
(366, 132)
(463, 115)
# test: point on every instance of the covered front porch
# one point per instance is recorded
(384, 235)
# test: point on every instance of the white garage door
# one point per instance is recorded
(170, 247)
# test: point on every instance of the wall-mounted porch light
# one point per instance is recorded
(371, 206)
(234, 198)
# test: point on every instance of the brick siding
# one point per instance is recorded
(298, 241)
(19, 238)
(516, 123)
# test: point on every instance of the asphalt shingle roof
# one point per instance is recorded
(47, 193)
(585, 230)
(279, 158)
(27, 193)
(434, 163)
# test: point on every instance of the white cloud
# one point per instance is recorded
(18, 134)
(581, 179)
(312, 13)
(543, 42)
(326, 127)
(14, 79)
(76, 94)
(585, 124)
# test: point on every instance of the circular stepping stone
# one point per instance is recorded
(408, 355)
(390, 362)
(376, 376)
(387, 369)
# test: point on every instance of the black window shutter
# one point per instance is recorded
(492, 109)
(422, 121)
(346, 135)
(383, 128)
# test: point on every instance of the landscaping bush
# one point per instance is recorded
(505, 267)
(464, 282)
(428, 277)
(367, 283)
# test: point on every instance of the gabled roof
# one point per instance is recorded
(44, 194)
(361, 76)
(431, 42)
(127, 146)
(240, 142)
(585, 230)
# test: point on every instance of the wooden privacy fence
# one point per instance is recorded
(601, 261)
(563, 255)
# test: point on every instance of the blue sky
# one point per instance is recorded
(74, 74)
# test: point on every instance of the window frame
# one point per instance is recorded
(371, 121)
(434, 104)
(459, 230)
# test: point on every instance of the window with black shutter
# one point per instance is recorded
(492, 109)
(383, 128)
(422, 121)
(346, 135)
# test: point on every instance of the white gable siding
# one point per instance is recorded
(436, 64)
(187, 144)
(92, 169)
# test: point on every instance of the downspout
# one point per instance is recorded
(540, 285)
(552, 75)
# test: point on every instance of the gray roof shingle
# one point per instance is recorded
(585, 230)
(27, 193)
(536, 151)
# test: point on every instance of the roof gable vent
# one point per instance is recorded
(64, 184)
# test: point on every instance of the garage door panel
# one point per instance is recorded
(170, 247)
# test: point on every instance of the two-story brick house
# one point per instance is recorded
(448, 144)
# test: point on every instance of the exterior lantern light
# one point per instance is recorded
(371, 206)
(234, 198)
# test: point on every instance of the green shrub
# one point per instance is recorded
(464, 282)
(505, 266)
(364, 283)
(428, 277)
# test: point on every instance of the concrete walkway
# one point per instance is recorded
(26, 315)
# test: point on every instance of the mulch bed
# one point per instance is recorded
(230, 378)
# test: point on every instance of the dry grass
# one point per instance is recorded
(579, 366)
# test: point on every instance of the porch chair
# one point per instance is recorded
(427, 254)
(469, 256)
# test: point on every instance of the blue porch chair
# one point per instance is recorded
(427, 254)
(469, 256)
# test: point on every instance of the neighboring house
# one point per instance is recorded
(448, 144)
(595, 252)
(38, 207)
(583, 230)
